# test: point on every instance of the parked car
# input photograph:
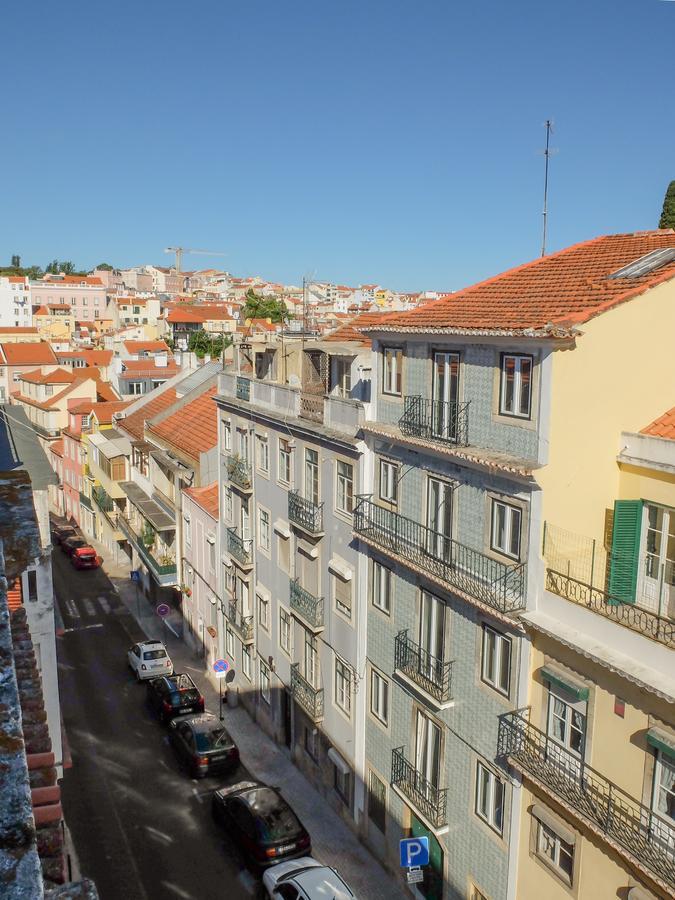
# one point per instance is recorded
(261, 822)
(202, 744)
(305, 879)
(174, 695)
(61, 532)
(85, 558)
(149, 659)
(71, 544)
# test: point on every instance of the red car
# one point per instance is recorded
(85, 558)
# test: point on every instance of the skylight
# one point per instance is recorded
(646, 264)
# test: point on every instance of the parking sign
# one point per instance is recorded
(414, 852)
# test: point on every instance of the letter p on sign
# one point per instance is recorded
(414, 852)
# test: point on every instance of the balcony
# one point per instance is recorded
(311, 407)
(102, 500)
(239, 472)
(305, 695)
(243, 389)
(643, 837)
(164, 573)
(240, 548)
(477, 576)
(436, 420)
(85, 500)
(306, 605)
(305, 514)
(430, 801)
(419, 666)
(243, 625)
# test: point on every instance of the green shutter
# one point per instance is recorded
(624, 561)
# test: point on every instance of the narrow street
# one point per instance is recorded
(141, 827)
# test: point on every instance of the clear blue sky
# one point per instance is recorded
(393, 142)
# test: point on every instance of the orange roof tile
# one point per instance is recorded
(197, 314)
(193, 428)
(20, 329)
(56, 376)
(144, 368)
(146, 347)
(561, 290)
(102, 410)
(206, 497)
(37, 353)
(663, 427)
(57, 448)
(351, 331)
(17, 279)
(135, 422)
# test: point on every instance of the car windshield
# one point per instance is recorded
(154, 654)
(275, 820)
(212, 740)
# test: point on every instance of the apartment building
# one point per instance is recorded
(290, 620)
(84, 294)
(15, 304)
(487, 703)
(164, 280)
(199, 590)
(17, 358)
(138, 280)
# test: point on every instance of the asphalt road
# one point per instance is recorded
(142, 828)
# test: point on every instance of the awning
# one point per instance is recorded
(562, 680)
(119, 446)
(334, 348)
(149, 509)
(661, 740)
(340, 568)
(338, 761)
(554, 823)
(174, 465)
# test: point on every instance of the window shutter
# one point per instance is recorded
(625, 550)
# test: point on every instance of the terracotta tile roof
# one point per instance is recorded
(88, 280)
(91, 357)
(56, 376)
(561, 290)
(206, 497)
(134, 423)
(57, 448)
(16, 279)
(20, 329)
(663, 427)
(37, 353)
(350, 331)
(146, 347)
(193, 428)
(102, 410)
(198, 314)
(105, 392)
(145, 368)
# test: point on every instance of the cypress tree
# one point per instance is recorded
(667, 219)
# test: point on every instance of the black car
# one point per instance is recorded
(261, 822)
(202, 744)
(60, 533)
(71, 544)
(174, 695)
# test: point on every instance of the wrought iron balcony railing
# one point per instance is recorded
(239, 471)
(163, 572)
(243, 625)
(102, 500)
(648, 623)
(306, 604)
(481, 577)
(427, 798)
(436, 420)
(609, 810)
(432, 674)
(306, 695)
(243, 389)
(240, 548)
(305, 513)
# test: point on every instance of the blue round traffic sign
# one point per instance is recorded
(163, 610)
(221, 665)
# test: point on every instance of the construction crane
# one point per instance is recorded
(179, 251)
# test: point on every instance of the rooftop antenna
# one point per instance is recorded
(547, 155)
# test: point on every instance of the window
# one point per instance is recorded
(263, 529)
(342, 782)
(283, 553)
(342, 594)
(343, 376)
(187, 531)
(284, 462)
(312, 476)
(227, 435)
(136, 387)
(312, 743)
(388, 481)
(496, 660)
(344, 490)
(49, 390)
(343, 686)
(31, 575)
(246, 661)
(285, 630)
(664, 786)
(157, 383)
(381, 587)
(228, 506)
(555, 852)
(211, 552)
(377, 801)
(264, 681)
(379, 696)
(515, 398)
(489, 798)
(392, 359)
(506, 521)
(263, 611)
(229, 642)
(566, 725)
(262, 454)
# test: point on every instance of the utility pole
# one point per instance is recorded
(547, 155)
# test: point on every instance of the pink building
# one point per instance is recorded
(200, 594)
(84, 294)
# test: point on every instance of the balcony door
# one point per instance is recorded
(431, 635)
(312, 476)
(566, 729)
(245, 519)
(243, 444)
(445, 395)
(311, 659)
(658, 560)
(439, 519)
(427, 754)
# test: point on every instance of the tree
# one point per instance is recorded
(54, 267)
(105, 267)
(16, 261)
(257, 307)
(34, 273)
(201, 343)
(667, 219)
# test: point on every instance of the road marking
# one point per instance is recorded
(73, 611)
(83, 627)
(160, 835)
(104, 605)
(248, 881)
(199, 797)
(171, 629)
(89, 606)
(176, 890)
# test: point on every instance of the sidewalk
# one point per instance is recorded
(333, 842)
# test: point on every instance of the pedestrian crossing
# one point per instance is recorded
(86, 612)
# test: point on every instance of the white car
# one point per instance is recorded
(305, 879)
(149, 659)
